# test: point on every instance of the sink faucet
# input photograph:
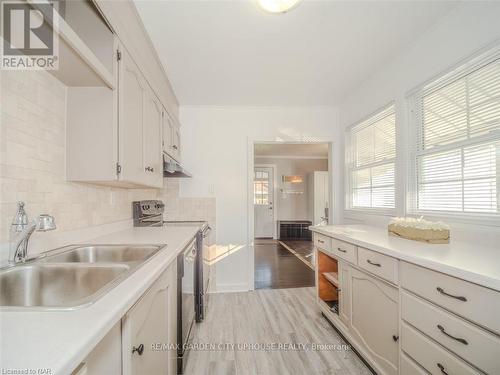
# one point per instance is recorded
(21, 231)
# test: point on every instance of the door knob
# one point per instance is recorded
(139, 349)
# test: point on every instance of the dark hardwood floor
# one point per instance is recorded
(276, 267)
(303, 249)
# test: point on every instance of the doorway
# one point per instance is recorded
(263, 201)
(291, 191)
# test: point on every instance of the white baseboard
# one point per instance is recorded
(231, 288)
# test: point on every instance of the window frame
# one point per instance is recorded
(349, 166)
(414, 137)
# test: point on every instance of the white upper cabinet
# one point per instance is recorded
(171, 137)
(168, 134)
(132, 97)
(140, 127)
(152, 141)
(176, 142)
(122, 127)
(117, 95)
(86, 44)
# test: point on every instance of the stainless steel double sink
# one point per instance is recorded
(70, 277)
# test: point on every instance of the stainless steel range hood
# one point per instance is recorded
(173, 169)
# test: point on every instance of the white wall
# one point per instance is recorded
(466, 30)
(216, 149)
(293, 206)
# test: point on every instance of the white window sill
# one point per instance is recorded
(459, 218)
(357, 213)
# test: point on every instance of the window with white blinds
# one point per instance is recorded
(457, 155)
(370, 156)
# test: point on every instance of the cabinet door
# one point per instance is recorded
(345, 293)
(106, 357)
(176, 142)
(168, 128)
(172, 317)
(132, 90)
(374, 319)
(153, 123)
(146, 331)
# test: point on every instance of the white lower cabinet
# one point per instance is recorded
(405, 319)
(148, 330)
(106, 357)
(363, 307)
(467, 341)
(374, 319)
(144, 341)
(409, 367)
(431, 356)
(344, 293)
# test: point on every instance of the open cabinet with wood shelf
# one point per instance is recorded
(328, 285)
(86, 44)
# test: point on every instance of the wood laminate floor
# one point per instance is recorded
(303, 249)
(277, 267)
(252, 321)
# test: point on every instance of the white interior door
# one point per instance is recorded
(319, 200)
(323, 208)
(263, 188)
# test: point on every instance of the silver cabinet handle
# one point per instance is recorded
(441, 367)
(341, 250)
(443, 331)
(320, 241)
(460, 298)
(139, 349)
(373, 263)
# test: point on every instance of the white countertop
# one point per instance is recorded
(475, 263)
(60, 340)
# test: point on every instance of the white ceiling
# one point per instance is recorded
(232, 53)
(314, 150)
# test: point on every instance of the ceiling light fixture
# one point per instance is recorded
(277, 6)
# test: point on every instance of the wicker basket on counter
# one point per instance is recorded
(415, 229)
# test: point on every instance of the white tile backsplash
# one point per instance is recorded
(32, 165)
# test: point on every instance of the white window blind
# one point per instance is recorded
(371, 152)
(457, 155)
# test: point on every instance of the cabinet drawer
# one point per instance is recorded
(344, 250)
(409, 367)
(459, 296)
(381, 265)
(430, 355)
(475, 345)
(323, 242)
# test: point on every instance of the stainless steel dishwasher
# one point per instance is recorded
(186, 269)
